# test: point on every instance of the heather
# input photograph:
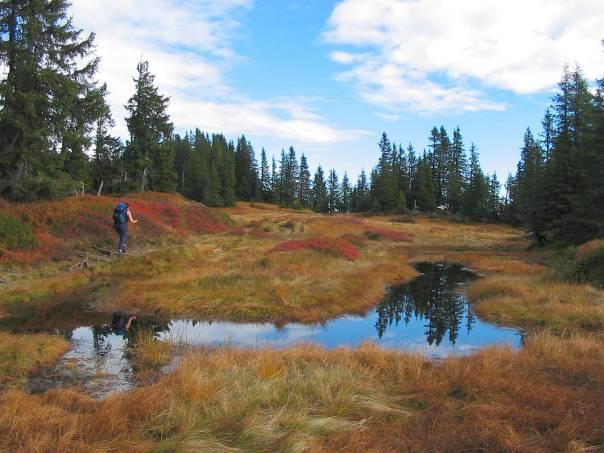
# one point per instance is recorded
(256, 262)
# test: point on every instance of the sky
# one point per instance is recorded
(328, 77)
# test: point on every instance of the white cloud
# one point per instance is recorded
(392, 117)
(435, 55)
(189, 46)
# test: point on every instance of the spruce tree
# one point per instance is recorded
(198, 185)
(304, 188)
(548, 134)
(456, 173)
(493, 198)
(475, 196)
(182, 157)
(106, 174)
(384, 181)
(333, 192)
(245, 170)
(319, 190)
(227, 174)
(592, 169)
(164, 178)
(510, 212)
(275, 183)
(422, 192)
(50, 100)
(442, 165)
(150, 127)
(529, 180)
(346, 194)
(361, 198)
(289, 178)
(265, 178)
(412, 170)
(561, 215)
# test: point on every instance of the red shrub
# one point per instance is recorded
(48, 247)
(170, 215)
(203, 220)
(89, 218)
(336, 246)
(393, 235)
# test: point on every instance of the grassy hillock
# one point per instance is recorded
(42, 231)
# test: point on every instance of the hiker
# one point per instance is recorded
(120, 323)
(121, 216)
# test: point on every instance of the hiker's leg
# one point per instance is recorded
(123, 232)
(116, 227)
(125, 241)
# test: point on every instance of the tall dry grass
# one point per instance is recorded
(21, 355)
(547, 397)
(537, 301)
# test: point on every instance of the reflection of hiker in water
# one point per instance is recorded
(121, 322)
(121, 216)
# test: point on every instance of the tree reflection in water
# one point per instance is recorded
(435, 296)
(100, 334)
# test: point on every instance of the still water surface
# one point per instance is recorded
(430, 314)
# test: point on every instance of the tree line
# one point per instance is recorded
(558, 187)
(53, 112)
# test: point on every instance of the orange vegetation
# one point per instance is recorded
(589, 247)
(336, 246)
(538, 301)
(58, 225)
(549, 396)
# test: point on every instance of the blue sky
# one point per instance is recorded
(327, 77)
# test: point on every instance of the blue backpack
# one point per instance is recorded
(119, 213)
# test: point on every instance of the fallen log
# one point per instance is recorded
(102, 250)
(80, 264)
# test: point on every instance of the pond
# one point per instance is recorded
(431, 314)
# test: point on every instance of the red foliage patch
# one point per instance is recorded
(90, 219)
(49, 246)
(200, 219)
(393, 235)
(336, 246)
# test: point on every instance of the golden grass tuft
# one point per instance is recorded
(21, 355)
(546, 397)
(149, 352)
(538, 301)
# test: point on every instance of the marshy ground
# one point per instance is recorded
(263, 264)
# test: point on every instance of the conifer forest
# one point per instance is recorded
(56, 138)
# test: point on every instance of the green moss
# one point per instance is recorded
(591, 267)
(15, 234)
